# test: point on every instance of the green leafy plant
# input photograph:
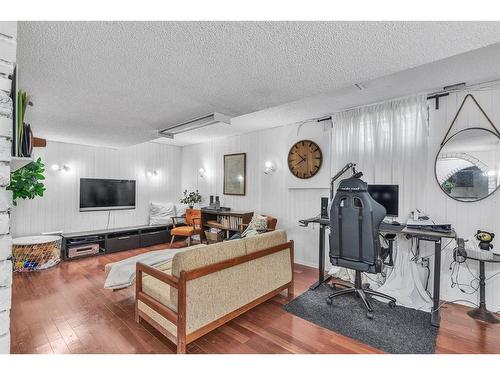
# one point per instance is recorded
(25, 182)
(448, 186)
(191, 198)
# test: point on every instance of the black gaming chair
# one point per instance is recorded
(355, 219)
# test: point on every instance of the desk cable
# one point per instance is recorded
(455, 267)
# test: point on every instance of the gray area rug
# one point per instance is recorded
(393, 330)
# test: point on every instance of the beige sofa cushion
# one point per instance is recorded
(212, 296)
(170, 327)
(158, 289)
(204, 256)
(264, 241)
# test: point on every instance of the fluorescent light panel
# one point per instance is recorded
(199, 122)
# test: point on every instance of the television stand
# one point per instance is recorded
(107, 241)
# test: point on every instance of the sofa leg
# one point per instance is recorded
(172, 240)
(181, 347)
(290, 292)
(189, 241)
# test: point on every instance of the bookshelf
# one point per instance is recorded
(227, 221)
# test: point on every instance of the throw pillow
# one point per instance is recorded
(161, 213)
(257, 225)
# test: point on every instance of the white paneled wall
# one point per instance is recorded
(8, 36)
(58, 209)
(270, 194)
(266, 194)
(465, 217)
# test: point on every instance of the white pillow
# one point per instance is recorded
(257, 225)
(161, 213)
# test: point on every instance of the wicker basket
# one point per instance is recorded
(35, 253)
(214, 237)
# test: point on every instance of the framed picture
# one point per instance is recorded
(235, 169)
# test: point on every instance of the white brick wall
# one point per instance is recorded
(8, 53)
(5, 247)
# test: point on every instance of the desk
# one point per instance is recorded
(323, 223)
(422, 235)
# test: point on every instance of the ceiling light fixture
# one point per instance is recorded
(199, 122)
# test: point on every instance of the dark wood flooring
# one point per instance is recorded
(66, 310)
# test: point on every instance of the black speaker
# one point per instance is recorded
(324, 207)
(211, 200)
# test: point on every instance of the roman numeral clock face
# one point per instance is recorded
(304, 159)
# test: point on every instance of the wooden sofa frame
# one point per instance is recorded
(179, 318)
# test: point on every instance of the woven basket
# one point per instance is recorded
(30, 256)
(214, 237)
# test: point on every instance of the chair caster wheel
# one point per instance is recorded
(392, 304)
(369, 315)
(328, 301)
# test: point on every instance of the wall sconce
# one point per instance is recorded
(152, 173)
(57, 167)
(202, 173)
(270, 168)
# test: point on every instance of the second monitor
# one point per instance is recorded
(387, 196)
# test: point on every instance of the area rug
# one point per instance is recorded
(394, 330)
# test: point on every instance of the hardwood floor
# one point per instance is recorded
(66, 310)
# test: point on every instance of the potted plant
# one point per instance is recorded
(25, 182)
(191, 198)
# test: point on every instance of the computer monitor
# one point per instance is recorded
(387, 196)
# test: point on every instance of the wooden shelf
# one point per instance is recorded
(17, 163)
(215, 224)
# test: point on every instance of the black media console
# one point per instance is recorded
(112, 240)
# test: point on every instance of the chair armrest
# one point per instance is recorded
(174, 218)
(153, 303)
(157, 274)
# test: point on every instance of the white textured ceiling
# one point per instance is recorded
(117, 83)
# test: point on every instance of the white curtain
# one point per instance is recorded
(388, 142)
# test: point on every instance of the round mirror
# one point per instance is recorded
(468, 165)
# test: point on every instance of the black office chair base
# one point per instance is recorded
(361, 291)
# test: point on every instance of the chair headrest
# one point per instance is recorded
(352, 185)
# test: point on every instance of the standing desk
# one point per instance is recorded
(422, 235)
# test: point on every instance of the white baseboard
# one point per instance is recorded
(5, 344)
(4, 322)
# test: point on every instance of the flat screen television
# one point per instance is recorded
(102, 194)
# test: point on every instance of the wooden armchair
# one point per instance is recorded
(193, 225)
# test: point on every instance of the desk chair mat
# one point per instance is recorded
(397, 331)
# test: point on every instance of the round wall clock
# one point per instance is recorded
(304, 159)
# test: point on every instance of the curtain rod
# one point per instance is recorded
(447, 90)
